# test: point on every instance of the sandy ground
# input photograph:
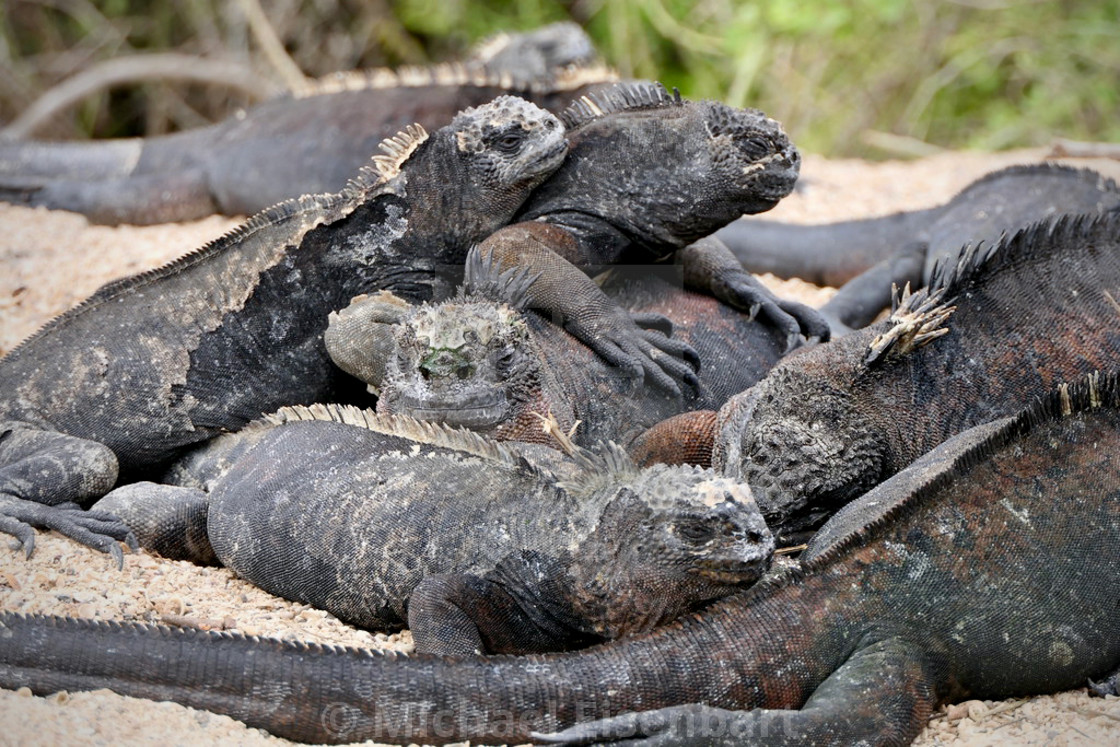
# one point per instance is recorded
(51, 260)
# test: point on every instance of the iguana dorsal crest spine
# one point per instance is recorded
(620, 97)
(451, 74)
(484, 279)
(1088, 393)
(320, 205)
(918, 320)
(604, 465)
(403, 426)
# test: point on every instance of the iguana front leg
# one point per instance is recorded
(711, 268)
(45, 476)
(575, 302)
(883, 694)
(461, 614)
(169, 520)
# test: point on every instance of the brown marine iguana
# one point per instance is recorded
(307, 142)
(154, 365)
(713, 163)
(479, 546)
(484, 362)
(983, 570)
(905, 247)
(830, 423)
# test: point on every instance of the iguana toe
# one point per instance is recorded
(96, 529)
(1108, 686)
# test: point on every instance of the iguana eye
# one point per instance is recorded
(696, 532)
(510, 141)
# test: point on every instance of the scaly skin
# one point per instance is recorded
(478, 362)
(648, 177)
(984, 570)
(906, 247)
(305, 143)
(154, 365)
(359, 513)
(828, 424)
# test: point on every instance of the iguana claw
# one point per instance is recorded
(96, 529)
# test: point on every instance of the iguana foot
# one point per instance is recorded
(97, 529)
(1108, 686)
(644, 354)
(709, 266)
(166, 519)
(45, 476)
(796, 320)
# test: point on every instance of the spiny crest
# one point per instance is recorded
(918, 319)
(382, 168)
(127, 627)
(602, 466)
(320, 208)
(1061, 234)
(403, 426)
(1088, 393)
(620, 97)
(451, 74)
(485, 279)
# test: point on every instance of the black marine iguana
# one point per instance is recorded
(481, 361)
(154, 365)
(905, 247)
(828, 424)
(712, 163)
(307, 142)
(479, 546)
(982, 570)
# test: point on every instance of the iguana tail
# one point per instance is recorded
(26, 164)
(828, 254)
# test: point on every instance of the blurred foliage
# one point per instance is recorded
(847, 77)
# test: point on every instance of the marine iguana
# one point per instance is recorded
(479, 546)
(159, 363)
(830, 423)
(306, 142)
(482, 361)
(905, 247)
(982, 570)
(712, 164)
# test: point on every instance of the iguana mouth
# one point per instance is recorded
(735, 572)
(473, 410)
(555, 153)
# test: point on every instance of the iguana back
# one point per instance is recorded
(307, 142)
(1020, 316)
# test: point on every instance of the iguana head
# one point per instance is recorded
(669, 539)
(798, 439)
(462, 363)
(670, 171)
(503, 149)
(468, 362)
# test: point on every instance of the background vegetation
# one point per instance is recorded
(867, 78)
